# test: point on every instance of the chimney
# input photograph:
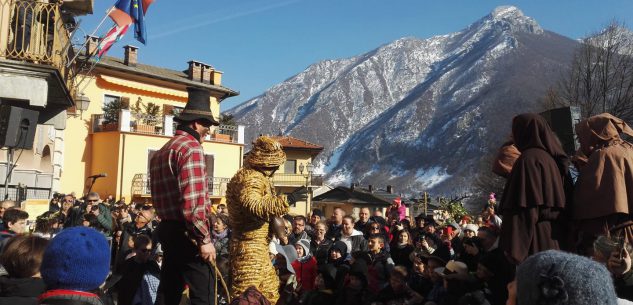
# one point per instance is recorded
(371, 188)
(207, 74)
(389, 189)
(92, 42)
(195, 70)
(131, 55)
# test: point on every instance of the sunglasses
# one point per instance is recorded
(92, 200)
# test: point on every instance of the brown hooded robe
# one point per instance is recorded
(604, 191)
(534, 196)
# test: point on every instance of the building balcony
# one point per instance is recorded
(297, 180)
(35, 32)
(132, 122)
(141, 186)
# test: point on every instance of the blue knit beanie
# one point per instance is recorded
(556, 277)
(78, 258)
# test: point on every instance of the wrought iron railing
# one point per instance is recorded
(141, 185)
(297, 180)
(20, 193)
(34, 31)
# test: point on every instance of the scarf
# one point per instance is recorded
(304, 259)
(221, 235)
(189, 130)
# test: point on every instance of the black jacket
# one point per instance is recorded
(15, 291)
(69, 297)
(320, 251)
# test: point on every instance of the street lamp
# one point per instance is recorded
(81, 104)
(309, 169)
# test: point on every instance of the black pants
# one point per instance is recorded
(182, 265)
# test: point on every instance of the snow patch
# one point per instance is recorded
(341, 177)
(432, 176)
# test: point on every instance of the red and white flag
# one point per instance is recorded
(113, 35)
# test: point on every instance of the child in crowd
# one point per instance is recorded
(305, 266)
(75, 264)
(398, 291)
(380, 264)
(21, 259)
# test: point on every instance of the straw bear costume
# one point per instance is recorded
(252, 201)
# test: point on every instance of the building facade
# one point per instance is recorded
(36, 75)
(130, 116)
(296, 177)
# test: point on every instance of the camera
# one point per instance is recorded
(94, 208)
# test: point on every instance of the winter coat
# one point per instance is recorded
(294, 238)
(357, 241)
(379, 269)
(16, 291)
(222, 244)
(130, 231)
(400, 255)
(320, 251)
(305, 272)
(132, 277)
(69, 297)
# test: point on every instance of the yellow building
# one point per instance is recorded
(295, 178)
(130, 116)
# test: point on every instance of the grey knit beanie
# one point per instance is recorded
(555, 277)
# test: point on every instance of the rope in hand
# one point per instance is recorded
(218, 275)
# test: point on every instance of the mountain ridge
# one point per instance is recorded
(381, 115)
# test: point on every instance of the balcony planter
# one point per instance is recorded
(145, 128)
(109, 126)
(221, 137)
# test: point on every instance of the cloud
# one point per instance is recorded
(223, 18)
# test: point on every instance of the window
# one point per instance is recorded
(150, 154)
(107, 99)
(290, 167)
(209, 160)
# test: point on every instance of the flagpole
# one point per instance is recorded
(92, 34)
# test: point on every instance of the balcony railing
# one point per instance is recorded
(141, 186)
(297, 180)
(129, 121)
(34, 31)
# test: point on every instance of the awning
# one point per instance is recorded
(143, 86)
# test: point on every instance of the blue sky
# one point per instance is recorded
(258, 43)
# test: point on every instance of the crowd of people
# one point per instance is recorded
(549, 240)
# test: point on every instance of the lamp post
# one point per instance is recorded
(81, 103)
(309, 169)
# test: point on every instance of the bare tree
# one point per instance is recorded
(601, 75)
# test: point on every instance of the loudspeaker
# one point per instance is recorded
(17, 127)
(563, 122)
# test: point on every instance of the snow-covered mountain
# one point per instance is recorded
(418, 114)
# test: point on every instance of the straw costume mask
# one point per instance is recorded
(252, 204)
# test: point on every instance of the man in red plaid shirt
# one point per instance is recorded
(179, 192)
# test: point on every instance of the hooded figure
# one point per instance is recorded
(534, 195)
(305, 266)
(603, 196)
(556, 277)
(337, 259)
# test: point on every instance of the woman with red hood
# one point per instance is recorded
(534, 197)
(603, 197)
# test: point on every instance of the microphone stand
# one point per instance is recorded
(91, 184)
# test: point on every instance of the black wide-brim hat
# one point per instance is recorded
(198, 107)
